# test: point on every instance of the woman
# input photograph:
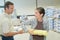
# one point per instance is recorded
(39, 14)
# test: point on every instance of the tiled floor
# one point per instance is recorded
(53, 36)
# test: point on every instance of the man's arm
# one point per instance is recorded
(13, 33)
(6, 29)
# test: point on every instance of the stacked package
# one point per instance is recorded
(57, 21)
(50, 17)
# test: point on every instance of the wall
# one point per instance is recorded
(24, 6)
(46, 3)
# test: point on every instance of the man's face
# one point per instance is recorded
(37, 14)
(10, 9)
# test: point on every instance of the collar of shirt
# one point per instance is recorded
(9, 16)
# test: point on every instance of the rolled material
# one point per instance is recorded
(40, 32)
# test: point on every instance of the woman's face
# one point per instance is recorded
(37, 14)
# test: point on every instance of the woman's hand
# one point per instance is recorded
(31, 31)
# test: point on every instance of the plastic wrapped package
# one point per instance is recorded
(17, 28)
(57, 23)
(50, 14)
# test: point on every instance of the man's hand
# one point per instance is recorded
(20, 32)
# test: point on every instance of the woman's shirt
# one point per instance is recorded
(39, 26)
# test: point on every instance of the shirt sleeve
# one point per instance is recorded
(5, 27)
(32, 22)
(46, 27)
(0, 26)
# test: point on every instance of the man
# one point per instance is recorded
(6, 22)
